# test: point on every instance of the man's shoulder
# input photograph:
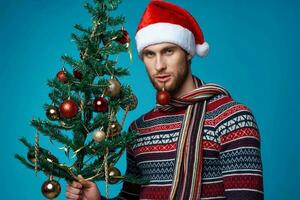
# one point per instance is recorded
(223, 106)
(223, 101)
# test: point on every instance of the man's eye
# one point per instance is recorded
(149, 54)
(169, 51)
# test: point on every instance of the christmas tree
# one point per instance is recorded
(85, 101)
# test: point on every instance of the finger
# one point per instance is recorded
(84, 182)
(74, 190)
(76, 185)
(73, 196)
(80, 176)
(81, 179)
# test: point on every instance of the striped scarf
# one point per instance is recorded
(188, 164)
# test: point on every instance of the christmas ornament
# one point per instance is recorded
(68, 108)
(130, 103)
(62, 75)
(113, 174)
(100, 104)
(115, 129)
(77, 74)
(113, 89)
(99, 136)
(51, 189)
(124, 38)
(52, 112)
(163, 97)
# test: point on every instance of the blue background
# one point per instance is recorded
(254, 54)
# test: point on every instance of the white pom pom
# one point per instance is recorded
(202, 49)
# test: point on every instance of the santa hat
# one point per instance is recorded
(166, 22)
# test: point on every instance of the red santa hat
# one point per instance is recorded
(166, 22)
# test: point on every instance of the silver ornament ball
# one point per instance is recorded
(99, 136)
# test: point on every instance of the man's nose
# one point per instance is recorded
(160, 65)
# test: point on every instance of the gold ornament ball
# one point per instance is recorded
(99, 136)
(115, 129)
(113, 89)
(51, 189)
(112, 172)
(52, 112)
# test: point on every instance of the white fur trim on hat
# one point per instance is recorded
(165, 32)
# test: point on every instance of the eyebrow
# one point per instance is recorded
(147, 51)
(169, 47)
(162, 50)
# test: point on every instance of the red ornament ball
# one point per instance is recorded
(77, 74)
(68, 108)
(163, 97)
(100, 104)
(62, 76)
(124, 38)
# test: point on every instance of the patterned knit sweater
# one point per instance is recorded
(232, 167)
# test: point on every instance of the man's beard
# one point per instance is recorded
(177, 83)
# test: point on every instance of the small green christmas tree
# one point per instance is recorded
(86, 102)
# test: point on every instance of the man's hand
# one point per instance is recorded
(85, 190)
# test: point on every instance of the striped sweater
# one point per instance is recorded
(232, 167)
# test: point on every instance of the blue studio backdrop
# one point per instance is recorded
(254, 54)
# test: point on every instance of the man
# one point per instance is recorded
(201, 144)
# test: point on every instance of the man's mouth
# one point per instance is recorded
(162, 77)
